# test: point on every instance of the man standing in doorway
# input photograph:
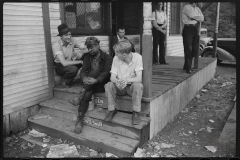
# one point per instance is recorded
(120, 37)
(191, 15)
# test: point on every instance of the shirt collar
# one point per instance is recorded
(70, 43)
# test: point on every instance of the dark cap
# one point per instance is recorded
(63, 29)
(91, 41)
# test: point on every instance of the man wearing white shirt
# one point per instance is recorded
(191, 15)
(126, 78)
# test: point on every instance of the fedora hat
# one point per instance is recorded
(63, 29)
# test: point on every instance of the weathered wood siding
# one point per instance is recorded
(174, 42)
(25, 80)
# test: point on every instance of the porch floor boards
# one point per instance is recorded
(165, 77)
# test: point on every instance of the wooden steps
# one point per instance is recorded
(100, 99)
(121, 123)
(96, 139)
(119, 136)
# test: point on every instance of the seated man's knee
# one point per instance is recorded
(109, 85)
(87, 96)
(73, 70)
(137, 85)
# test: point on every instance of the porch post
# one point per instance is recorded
(48, 47)
(147, 49)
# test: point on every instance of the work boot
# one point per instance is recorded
(79, 124)
(110, 115)
(135, 118)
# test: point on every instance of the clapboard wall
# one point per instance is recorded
(174, 42)
(25, 80)
(24, 56)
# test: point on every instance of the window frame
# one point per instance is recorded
(175, 20)
(105, 12)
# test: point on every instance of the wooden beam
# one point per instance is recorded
(62, 12)
(205, 6)
(48, 47)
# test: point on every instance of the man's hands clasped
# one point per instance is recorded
(121, 84)
(89, 80)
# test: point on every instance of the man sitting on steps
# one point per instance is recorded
(126, 78)
(95, 74)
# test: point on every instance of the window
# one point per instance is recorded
(87, 18)
(175, 18)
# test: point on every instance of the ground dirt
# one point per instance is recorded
(198, 125)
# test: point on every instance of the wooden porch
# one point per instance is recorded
(172, 90)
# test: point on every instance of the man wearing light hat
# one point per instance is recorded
(95, 74)
(65, 61)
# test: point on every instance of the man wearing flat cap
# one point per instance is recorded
(95, 74)
(66, 61)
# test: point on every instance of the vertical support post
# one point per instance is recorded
(61, 5)
(166, 35)
(197, 49)
(147, 49)
(216, 31)
(48, 47)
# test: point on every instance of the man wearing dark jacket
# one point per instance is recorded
(120, 37)
(95, 74)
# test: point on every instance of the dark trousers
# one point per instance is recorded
(67, 73)
(89, 91)
(189, 35)
(158, 40)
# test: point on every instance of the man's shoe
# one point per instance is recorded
(135, 118)
(189, 71)
(64, 85)
(110, 115)
(78, 127)
(74, 101)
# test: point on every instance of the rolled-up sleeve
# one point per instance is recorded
(139, 64)
(114, 66)
(56, 48)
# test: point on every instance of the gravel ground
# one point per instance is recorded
(194, 132)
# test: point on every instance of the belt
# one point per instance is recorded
(191, 25)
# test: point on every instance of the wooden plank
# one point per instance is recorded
(21, 37)
(22, 18)
(33, 22)
(25, 48)
(104, 142)
(6, 125)
(25, 60)
(24, 104)
(33, 4)
(25, 74)
(18, 119)
(23, 32)
(12, 6)
(48, 47)
(35, 76)
(22, 65)
(147, 65)
(55, 15)
(119, 127)
(26, 87)
(23, 70)
(33, 93)
(54, 6)
(22, 13)
(23, 42)
(37, 52)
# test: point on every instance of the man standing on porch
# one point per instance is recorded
(126, 78)
(191, 15)
(95, 74)
(159, 22)
(66, 61)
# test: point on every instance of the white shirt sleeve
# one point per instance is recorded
(139, 65)
(114, 66)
